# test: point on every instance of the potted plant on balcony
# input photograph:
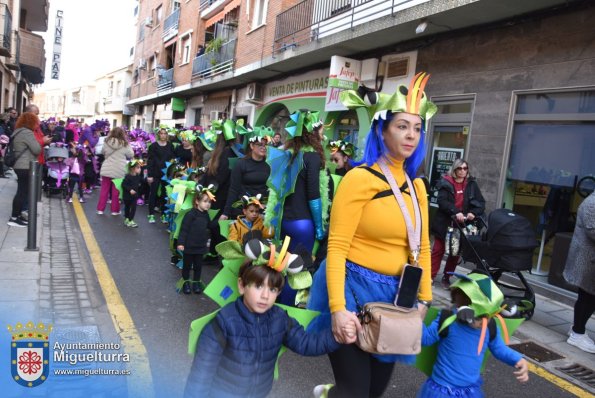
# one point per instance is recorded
(212, 48)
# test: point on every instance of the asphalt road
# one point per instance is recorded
(139, 262)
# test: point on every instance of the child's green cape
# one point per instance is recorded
(425, 360)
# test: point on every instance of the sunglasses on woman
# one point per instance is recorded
(462, 168)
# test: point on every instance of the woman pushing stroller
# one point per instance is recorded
(459, 197)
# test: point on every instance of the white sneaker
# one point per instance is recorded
(582, 341)
(116, 213)
(321, 390)
(99, 212)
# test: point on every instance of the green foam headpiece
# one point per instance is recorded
(411, 100)
(486, 298)
(300, 120)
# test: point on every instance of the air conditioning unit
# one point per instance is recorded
(148, 22)
(214, 115)
(254, 92)
(142, 63)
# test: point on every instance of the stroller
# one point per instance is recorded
(505, 245)
(56, 180)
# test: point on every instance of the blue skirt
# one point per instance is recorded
(367, 285)
(431, 389)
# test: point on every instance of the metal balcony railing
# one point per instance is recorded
(215, 63)
(170, 25)
(206, 3)
(311, 20)
(165, 79)
(5, 30)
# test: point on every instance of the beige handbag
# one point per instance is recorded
(387, 329)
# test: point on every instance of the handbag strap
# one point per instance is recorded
(413, 234)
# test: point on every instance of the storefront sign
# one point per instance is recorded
(442, 159)
(344, 75)
(314, 83)
(57, 55)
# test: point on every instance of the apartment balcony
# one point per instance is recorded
(170, 25)
(214, 63)
(165, 79)
(35, 15)
(32, 57)
(5, 30)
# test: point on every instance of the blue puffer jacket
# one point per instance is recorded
(236, 352)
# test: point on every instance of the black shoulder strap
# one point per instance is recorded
(388, 192)
(443, 315)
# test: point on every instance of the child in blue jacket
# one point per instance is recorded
(237, 350)
(463, 339)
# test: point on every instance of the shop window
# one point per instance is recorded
(551, 151)
(449, 139)
(347, 128)
(278, 120)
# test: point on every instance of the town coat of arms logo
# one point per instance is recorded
(30, 353)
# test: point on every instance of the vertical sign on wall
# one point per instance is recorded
(442, 159)
(56, 57)
(344, 75)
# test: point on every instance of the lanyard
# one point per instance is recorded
(413, 235)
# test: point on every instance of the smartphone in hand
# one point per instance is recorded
(408, 287)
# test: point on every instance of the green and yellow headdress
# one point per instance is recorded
(135, 162)
(260, 134)
(486, 301)
(208, 139)
(188, 135)
(410, 99)
(267, 255)
(209, 190)
(300, 120)
(229, 128)
(343, 146)
(246, 201)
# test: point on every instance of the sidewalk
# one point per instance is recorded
(53, 286)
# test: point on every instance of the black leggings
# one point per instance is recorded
(129, 208)
(20, 197)
(358, 374)
(154, 198)
(192, 261)
(583, 309)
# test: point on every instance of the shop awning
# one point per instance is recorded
(219, 16)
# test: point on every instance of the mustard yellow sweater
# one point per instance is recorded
(372, 233)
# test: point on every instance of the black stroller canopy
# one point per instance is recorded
(508, 230)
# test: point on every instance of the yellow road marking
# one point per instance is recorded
(563, 384)
(140, 381)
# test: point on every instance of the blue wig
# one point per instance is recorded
(375, 147)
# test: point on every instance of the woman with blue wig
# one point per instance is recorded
(368, 243)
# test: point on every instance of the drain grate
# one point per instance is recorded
(579, 372)
(535, 352)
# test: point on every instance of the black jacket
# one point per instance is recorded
(248, 177)
(307, 188)
(131, 182)
(473, 202)
(157, 156)
(193, 232)
(221, 179)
